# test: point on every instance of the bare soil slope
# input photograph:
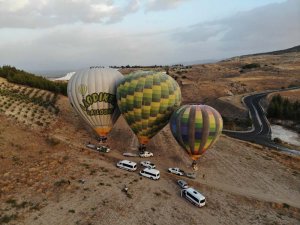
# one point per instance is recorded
(49, 177)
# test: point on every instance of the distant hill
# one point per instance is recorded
(197, 62)
(278, 52)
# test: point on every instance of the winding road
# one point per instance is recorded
(261, 130)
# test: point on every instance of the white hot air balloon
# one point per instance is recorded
(92, 93)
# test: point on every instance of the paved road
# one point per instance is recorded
(261, 130)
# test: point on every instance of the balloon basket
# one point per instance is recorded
(142, 148)
(195, 166)
(102, 140)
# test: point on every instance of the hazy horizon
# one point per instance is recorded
(52, 73)
(69, 35)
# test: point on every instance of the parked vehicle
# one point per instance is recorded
(129, 154)
(153, 174)
(98, 148)
(91, 146)
(182, 184)
(191, 175)
(127, 165)
(103, 149)
(145, 154)
(176, 171)
(148, 164)
(193, 196)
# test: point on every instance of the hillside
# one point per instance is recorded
(55, 180)
(278, 52)
(49, 177)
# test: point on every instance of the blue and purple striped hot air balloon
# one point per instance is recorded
(196, 128)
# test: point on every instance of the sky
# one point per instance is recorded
(53, 35)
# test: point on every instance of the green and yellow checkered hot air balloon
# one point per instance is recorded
(196, 128)
(147, 99)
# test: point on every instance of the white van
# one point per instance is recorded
(193, 196)
(127, 165)
(153, 174)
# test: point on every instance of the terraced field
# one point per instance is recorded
(30, 106)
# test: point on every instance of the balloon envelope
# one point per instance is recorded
(92, 94)
(147, 100)
(196, 128)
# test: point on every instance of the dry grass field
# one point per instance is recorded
(48, 176)
(205, 83)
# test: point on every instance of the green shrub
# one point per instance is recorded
(282, 108)
(6, 219)
(52, 141)
(277, 140)
(251, 66)
(292, 85)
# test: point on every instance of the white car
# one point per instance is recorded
(176, 171)
(147, 164)
(145, 154)
(182, 184)
(193, 196)
(127, 165)
(152, 174)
